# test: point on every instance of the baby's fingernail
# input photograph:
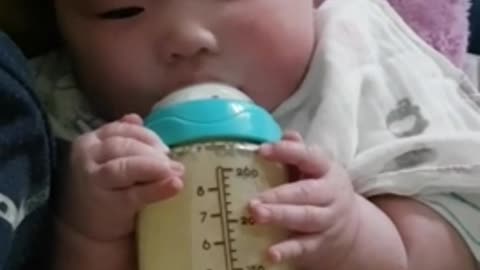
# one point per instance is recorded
(274, 256)
(176, 184)
(132, 119)
(164, 147)
(254, 202)
(177, 167)
(261, 214)
(266, 149)
(159, 143)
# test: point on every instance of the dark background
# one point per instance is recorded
(475, 27)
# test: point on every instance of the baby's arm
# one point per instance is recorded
(404, 230)
(335, 228)
(74, 251)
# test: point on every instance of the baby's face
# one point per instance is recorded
(128, 54)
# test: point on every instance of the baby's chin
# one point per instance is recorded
(112, 113)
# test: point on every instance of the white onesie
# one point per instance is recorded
(394, 112)
(399, 116)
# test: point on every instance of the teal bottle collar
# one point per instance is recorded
(213, 119)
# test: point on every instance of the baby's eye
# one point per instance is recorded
(121, 13)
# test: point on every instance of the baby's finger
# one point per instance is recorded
(120, 147)
(84, 147)
(140, 133)
(308, 159)
(292, 135)
(132, 118)
(142, 195)
(294, 249)
(299, 218)
(304, 192)
(125, 172)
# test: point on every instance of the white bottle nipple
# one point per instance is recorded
(202, 91)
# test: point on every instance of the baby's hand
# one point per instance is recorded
(114, 172)
(320, 209)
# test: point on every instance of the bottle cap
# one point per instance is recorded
(211, 111)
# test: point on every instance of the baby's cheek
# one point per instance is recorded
(273, 60)
(111, 93)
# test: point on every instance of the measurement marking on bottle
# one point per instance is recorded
(221, 177)
(228, 217)
(228, 222)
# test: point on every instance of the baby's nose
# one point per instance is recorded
(190, 40)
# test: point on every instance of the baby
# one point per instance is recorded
(384, 133)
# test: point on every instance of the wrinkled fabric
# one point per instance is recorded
(26, 162)
(392, 110)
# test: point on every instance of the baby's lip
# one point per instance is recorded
(198, 79)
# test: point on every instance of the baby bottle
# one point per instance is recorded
(214, 130)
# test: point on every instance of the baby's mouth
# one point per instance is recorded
(201, 91)
(200, 80)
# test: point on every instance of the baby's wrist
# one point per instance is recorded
(74, 250)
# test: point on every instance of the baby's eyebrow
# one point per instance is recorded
(104, 5)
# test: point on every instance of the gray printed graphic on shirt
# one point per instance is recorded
(411, 159)
(406, 119)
